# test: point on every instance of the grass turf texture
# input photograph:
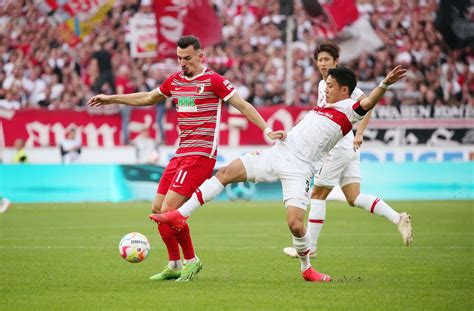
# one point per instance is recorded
(65, 257)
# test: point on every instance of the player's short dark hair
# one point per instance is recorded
(186, 41)
(328, 47)
(344, 76)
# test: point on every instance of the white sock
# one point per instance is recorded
(192, 260)
(207, 191)
(377, 206)
(317, 216)
(302, 248)
(175, 265)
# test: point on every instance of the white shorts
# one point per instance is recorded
(277, 164)
(342, 167)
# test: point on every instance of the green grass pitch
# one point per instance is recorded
(65, 257)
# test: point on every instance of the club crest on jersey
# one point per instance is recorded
(200, 88)
(186, 104)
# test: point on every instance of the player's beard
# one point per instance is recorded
(186, 71)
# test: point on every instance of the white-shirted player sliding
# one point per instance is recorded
(342, 167)
(292, 161)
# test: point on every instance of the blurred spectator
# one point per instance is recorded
(259, 96)
(146, 148)
(70, 146)
(11, 100)
(125, 85)
(102, 59)
(20, 155)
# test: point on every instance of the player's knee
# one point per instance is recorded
(351, 201)
(314, 193)
(296, 227)
(224, 174)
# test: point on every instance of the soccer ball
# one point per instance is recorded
(134, 247)
(240, 191)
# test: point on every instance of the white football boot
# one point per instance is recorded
(5, 205)
(404, 227)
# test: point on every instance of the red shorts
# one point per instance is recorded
(185, 174)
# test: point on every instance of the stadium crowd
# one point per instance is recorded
(38, 69)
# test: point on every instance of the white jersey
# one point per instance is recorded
(321, 129)
(348, 140)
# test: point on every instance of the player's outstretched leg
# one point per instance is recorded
(190, 269)
(404, 227)
(206, 192)
(379, 207)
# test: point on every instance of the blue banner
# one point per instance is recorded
(117, 183)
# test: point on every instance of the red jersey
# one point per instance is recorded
(198, 101)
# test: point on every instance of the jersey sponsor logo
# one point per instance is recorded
(326, 114)
(186, 104)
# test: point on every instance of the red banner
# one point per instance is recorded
(47, 128)
(177, 18)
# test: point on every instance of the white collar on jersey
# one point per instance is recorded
(198, 75)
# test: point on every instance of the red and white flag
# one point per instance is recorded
(187, 17)
(341, 12)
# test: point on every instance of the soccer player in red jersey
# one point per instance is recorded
(198, 94)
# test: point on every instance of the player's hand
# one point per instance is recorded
(357, 142)
(99, 100)
(280, 134)
(395, 75)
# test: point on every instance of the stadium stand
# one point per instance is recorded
(40, 70)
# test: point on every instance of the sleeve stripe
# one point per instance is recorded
(159, 91)
(358, 109)
(229, 96)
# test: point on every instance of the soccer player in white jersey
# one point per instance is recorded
(342, 167)
(198, 94)
(292, 161)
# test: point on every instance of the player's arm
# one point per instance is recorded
(252, 114)
(359, 135)
(134, 99)
(393, 76)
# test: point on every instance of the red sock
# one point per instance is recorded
(168, 236)
(184, 239)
